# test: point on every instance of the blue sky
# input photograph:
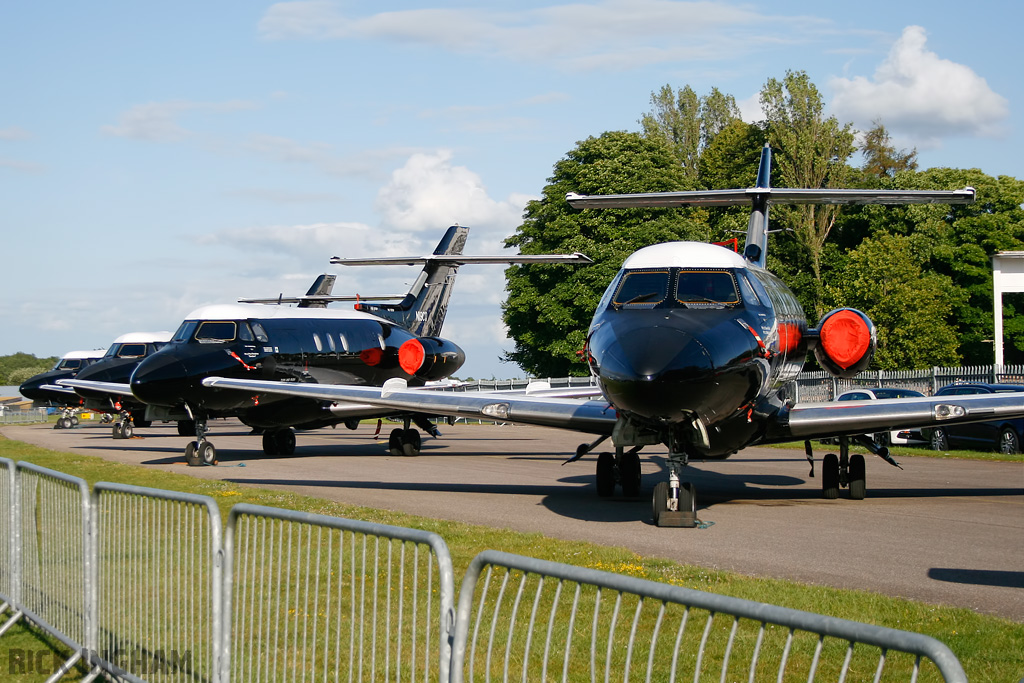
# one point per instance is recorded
(155, 157)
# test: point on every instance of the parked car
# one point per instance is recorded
(1001, 435)
(902, 436)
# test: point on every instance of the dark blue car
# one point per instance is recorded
(1001, 435)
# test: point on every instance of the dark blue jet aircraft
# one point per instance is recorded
(313, 344)
(691, 347)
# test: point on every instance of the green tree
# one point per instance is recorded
(881, 159)
(17, 362)
(911, 308)
(808, 150)
(549, 307)
(688, 123)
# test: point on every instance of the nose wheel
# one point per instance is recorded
(674, 502)
(200, 452)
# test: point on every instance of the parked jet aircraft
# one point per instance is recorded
(365, 346)
(43, 388)
(125, 354)
(691, 347)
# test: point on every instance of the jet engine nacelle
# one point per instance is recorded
(844, 342)
(430, 358)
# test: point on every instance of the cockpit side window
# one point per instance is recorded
(707, 287)
(261, 334)
(185, 331)
(211, 331)
(642, 289)
(70, 364)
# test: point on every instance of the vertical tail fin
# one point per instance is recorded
(423, 309)
(756, 247)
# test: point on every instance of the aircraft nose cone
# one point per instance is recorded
(161, 379)
(653, 371)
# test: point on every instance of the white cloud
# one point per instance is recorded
(158, 121)
(14, 133)
(918, 95)
(429, 193)
(612, 34)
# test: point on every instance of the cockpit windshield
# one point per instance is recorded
(677, 288)
(642, 289)
(706, 287)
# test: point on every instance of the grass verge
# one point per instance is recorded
(990, 648)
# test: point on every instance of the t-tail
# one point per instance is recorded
(422, 311)
(759, 197)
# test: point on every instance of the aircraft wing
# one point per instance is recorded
(58, 388)
(820, 420)
(594, 416)
(117, 388)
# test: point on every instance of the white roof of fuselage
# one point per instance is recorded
(275, 312)
(143, 337)
(92, 353)
(685, 254)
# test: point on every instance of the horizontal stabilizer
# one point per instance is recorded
(324, 299)
(780, 195)
(460, 260)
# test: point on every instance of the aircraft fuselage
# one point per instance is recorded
(278, 343)
(690, 343)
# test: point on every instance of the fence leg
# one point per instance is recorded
(11, 622)
(64, 668)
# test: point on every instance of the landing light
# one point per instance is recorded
(496, 410)
(948, 411)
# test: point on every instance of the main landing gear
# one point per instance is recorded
(845, 470)
(68, 419)
(407, 441)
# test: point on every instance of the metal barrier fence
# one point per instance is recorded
(296, 596)
(158, 583)
(8, 541)
(50, 515)
(530, 618)
(31, 416)
(316, 598)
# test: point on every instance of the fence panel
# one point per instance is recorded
(525, 619)
(52, 522)
(8, 544)
(311, 597)
(159, 579)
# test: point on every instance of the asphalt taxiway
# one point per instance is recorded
(941, 531)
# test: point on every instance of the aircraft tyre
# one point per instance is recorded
(629, 473)
(285, 439)
(605, 474)
(191, 457)
(115, 431)
(207, 453)
(395, 442)
(830, 476)
(269, 444)
(411, 442)
(74, 420)
(858, 478)
(127, 429)
(659, 501)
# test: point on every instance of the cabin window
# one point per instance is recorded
(261, 334)
(212, 331)
(706, 287)
(330, 343)
(344, 342)
(642, 289)
(131, 351)
(316, 340)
